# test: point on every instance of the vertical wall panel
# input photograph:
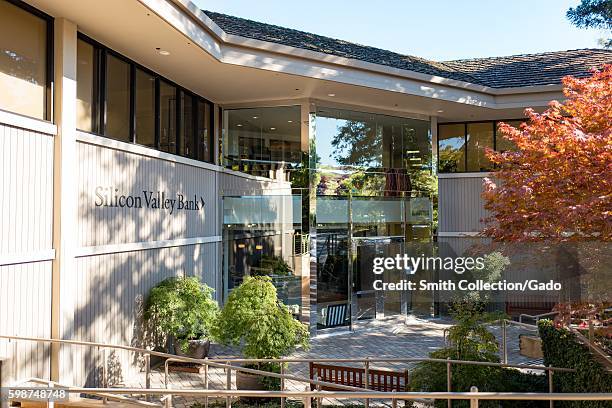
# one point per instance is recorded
(460, 207)
(25, 299)
(26, 200)
(26, 183)
(110, 291)
(130, 174)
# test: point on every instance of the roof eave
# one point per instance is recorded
(207, 23)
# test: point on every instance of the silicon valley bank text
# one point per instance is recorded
(449, 285)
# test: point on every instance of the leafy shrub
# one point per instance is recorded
(182, 307)
(277, 264)
(562, 349)
(472, 341)
(254, 318)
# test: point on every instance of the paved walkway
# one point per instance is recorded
(390, 338)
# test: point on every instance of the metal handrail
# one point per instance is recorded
(353, 395)
(216, 361)
(225, 363)
(536, 317)
(592, 346)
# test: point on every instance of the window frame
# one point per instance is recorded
(99, 113)
(49, 58)
(465, 134)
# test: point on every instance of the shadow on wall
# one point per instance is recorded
(110, 289)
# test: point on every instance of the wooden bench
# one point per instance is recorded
(379, 380)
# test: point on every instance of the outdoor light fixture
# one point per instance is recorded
(255, 117)
(239, 125)
(272, 128)
(289, 121)
(258, 247)
(241, 246)
(331, 94)
(162, 52)
(440, 111)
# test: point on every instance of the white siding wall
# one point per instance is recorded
(460, 207)
(132, 174)
(111, 285)
(26, 186)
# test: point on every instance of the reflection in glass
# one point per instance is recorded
(117, 99)
(370, 154)
(187, 138)
(451, 148)
(203, 131)
(262, 140)
(501, 143)
(145, 108)
(262, 235)
(23, 61)
(479, 137)
(85, 86)
(167, 129)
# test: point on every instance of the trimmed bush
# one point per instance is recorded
(431, 377)
(562, 349)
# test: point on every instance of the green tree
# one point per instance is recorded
(593, 14)
(357, 144)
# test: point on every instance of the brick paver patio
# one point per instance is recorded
(389, 338)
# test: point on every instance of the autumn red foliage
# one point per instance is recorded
(557, 184)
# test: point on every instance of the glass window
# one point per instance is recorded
(139, 106)
(85, 86)
(117, 99)
(364, 140)
(501, 143)
(203, 131)
(370, 153)
(479, 137)
(23, 61)
(187, 139)
(451, 148)
(145, 109)
(351, 139)
(167, 130)
(261, 140)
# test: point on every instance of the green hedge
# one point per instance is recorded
(431, 377)
(561, 349)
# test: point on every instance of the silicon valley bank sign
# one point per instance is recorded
(155, 200)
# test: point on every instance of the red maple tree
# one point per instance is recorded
(557, 184)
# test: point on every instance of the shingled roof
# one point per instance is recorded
(496, 72)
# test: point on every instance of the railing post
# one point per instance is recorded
(449, 403)
(367, 379)
(550, 385)
(318, 388)
(473, 401)
(206, 381)
(104, 372)
(147, 358)
(228, 384)
(282, 384)
(307, 400)
(505, 341)
(393, 400)
(168, 400)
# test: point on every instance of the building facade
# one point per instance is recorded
(143, 139)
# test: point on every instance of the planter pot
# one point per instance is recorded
(196, 349)
(247, 381)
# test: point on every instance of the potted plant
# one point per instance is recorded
(254, 318)
(183, 309)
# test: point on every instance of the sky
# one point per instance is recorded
(434, 29)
